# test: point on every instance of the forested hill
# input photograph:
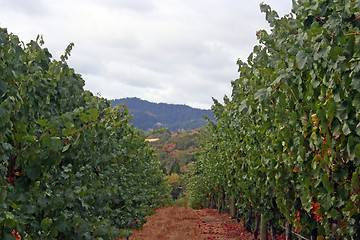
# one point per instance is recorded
(151, 116)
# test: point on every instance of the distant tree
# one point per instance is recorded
(163, 168)
(175, 167)
(175, 182)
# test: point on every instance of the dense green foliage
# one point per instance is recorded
(287, 143)
(70, 165)
(150, 116)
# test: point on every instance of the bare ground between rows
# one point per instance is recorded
(182, 223)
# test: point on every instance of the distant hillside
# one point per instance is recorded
(151, 116)
(175, 151)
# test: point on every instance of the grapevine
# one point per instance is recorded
(287, 143)
(71, 166)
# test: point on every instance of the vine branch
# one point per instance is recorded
(297, 100)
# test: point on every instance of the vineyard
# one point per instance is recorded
(282, 155)
(284, 150)
(70, 165)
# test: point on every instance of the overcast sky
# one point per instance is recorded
(181, 52)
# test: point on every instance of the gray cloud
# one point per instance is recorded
(136, 6)
(159, 50)
(31, 8)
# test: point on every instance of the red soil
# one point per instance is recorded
(181, 223)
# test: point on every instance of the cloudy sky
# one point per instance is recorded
(181, 52)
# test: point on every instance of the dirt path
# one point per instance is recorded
(181, 223)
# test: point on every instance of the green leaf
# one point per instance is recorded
(314, 138)
(356, 101)
(33, 172)
(43, 122)
(337, 95)
(342, 111)
(264, 7)
(65, 148)
(243, 105)
(334, 213)
(357, 151)
(46, 223)
(30, 138)
(355, 181)
(357, 130)
(301, 59)
(293, 118)
(9, 215)
(93, 114)
(340, 175)
(336, 126)
(84, 117)
(61, 224)
(326, 183)
(306, 199)
(260, 94)
(355, 83)
(3, 87)
(3, 194)
(331, 110)
(325, 201)
(315, 83)
(346, 130)
(56, 144)
(350, 147)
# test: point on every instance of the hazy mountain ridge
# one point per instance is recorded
(151, 116)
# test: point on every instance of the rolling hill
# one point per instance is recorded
(150, 116)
